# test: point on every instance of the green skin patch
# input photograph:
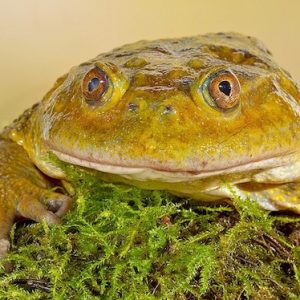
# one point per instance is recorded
(125, 243)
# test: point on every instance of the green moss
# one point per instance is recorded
(121, 242)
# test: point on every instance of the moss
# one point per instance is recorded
(125, 243)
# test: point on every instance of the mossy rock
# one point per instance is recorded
(121, 242)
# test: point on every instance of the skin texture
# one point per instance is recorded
(160, 121)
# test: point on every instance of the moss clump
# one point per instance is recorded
(125, 243)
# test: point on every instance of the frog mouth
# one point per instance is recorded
(147, 172)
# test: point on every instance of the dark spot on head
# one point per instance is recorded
(124, 54)
(160, 50)
(245, 53)
(220, 33)
(185, 49)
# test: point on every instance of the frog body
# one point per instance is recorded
(203, 117)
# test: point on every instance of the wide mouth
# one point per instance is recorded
(144, 171)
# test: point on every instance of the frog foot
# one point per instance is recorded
(273, 197)
(25, 193)
(38, 205)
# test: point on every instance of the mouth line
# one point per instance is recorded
(156, 173)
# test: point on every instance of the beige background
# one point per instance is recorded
(42, 39)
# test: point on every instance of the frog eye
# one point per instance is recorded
(95, 84)
(224, 89)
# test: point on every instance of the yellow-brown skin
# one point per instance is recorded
(157, 117)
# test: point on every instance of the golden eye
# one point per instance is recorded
(224, 89)
(94, 85)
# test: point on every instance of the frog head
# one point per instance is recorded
(176, 110)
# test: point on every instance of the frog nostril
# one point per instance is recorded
(132, 107)
(169, 110)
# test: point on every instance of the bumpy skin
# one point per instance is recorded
(25, 192)
(156, 126)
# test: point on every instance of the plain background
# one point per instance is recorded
(42, 39)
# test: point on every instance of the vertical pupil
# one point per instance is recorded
(93, 84)
(225, 87)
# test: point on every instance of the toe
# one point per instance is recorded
(4, 247)
(33, 209)
(58, 203)
(7, 216)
